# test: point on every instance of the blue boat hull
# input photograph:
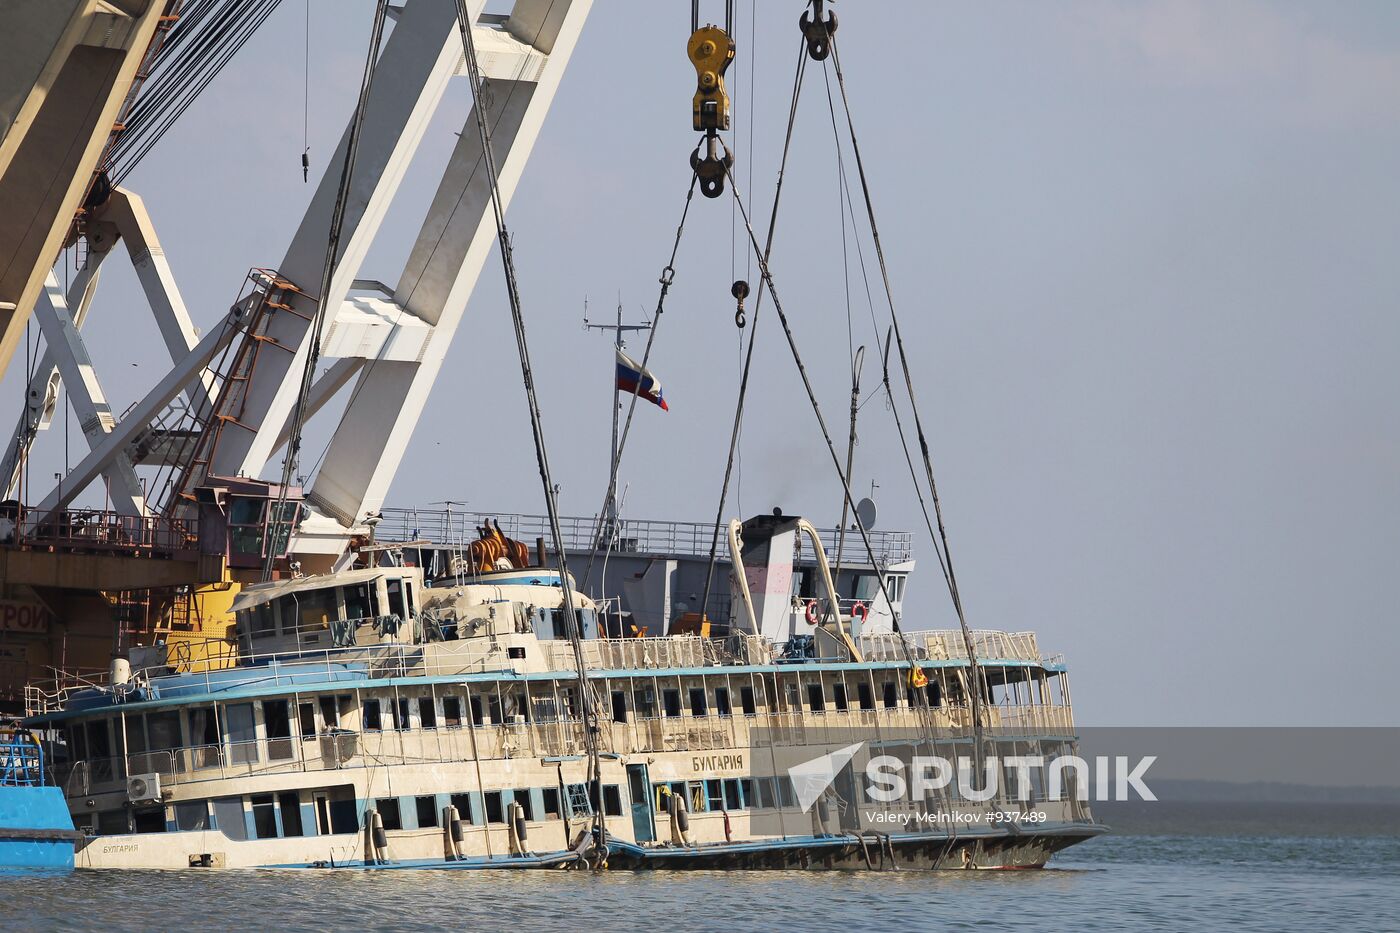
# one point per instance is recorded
(35, 828)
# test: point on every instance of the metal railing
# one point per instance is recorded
(950, 646)
(101, 529)
(451, 528)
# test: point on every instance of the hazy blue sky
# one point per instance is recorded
(1146, 259)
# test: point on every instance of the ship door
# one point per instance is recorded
(639, 788)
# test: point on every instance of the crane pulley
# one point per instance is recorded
(710, 50)
(818, 30)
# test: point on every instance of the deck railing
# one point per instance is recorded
(450, 528)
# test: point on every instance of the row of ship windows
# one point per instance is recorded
(286, 814)
(237, 723)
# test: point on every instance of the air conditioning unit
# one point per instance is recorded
(143, 788)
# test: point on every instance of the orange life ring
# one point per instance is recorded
(859, 611)
(812, 614)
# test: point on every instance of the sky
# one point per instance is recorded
(1144, 257)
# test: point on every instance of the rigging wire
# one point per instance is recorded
(668, 276)
(978, 682)
(586, 697)
(290, 459)
(753, 329)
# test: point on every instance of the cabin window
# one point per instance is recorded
(612, 800)
(372, 720)
(838, 697)
(278, 726)
(891, 697)
(697, 702)
(746, 701)
(791, 698)
(164, 731)
(545, 710)
(204, 734)
(427, 810)
(463, 803)
(477, 717)
(865, 695)
(261, 621)
(527, 804)
(732, 799)
(396, 603)
(228, 818)
(451, 712)
(497, 713)
(265, 816)
(866, 586)
(135, 734)
(746, 789)
(671, 699)
(550, 797)
(644, 700)
(619, 706)
(148, 820)
(306, 716)
(714, 795)
(722, 702)
(192, 816)
(359, 601)
(401, 721)
(786, 796)
(816, 701)
(427, 713)
(113, 823)
(241, 732)
(311, 611)
(495, 809)
(289, 805)
(389, 813)
(934, 692)
(330, 714)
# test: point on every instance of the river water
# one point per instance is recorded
(1120, 882)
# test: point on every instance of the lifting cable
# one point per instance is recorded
(586, 698)
(915, 671)
(279, 519)
(952, 580)
(748, 356)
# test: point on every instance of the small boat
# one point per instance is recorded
(35, 829)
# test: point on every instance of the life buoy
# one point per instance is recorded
(859, 611)
(812, 614)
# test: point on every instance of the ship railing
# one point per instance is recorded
(951, 646)
(457, 529)
(674, 651)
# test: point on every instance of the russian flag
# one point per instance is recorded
(630, 373)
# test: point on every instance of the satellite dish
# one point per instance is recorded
(865, 511)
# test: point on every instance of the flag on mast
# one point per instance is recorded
(630, 373)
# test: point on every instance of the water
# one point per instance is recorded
(1112, 883)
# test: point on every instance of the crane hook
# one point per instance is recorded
(740, 290)
(818, 31)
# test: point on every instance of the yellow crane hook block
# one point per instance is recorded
(711, 50)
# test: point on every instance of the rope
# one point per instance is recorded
(586, 697)
(313, 351)
(668, 275)
(753, 329)
(952, 579)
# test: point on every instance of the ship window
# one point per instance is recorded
(695, 790)
(395, 590)
(891, 697)
(427, 713)
(148, 820)
(697, 702)
(477, 718)
(113, 823)
(451, 712)
(644, 700)
(760, 794)
(135, 734)
(746, 701)
(497, 715)
(427, 810)
(164, 730)
(619, 706)
(204, 734)
(228, 818)
(545, 710)
(935, 695)
(330, 714)
(192, 816)
(866, 696)
(309, 612)
(671, 699)
(290, 805)
(816, 700)
(400, 708)
(359, 602)
(867, 586)
(612, 800)
(264, 817)
(389, 813)
(495, 811)
(242, 733)
(838, 696)
(731, 795)
(278, 725)
(746, 788)
(722, 701)
(261, 620)
(306, 715)
(551, 803)
(786, 796)
(714, 795)
(793, 701)
(463, 803)
(372, 720)
(527, 804)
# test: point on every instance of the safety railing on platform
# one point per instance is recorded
(97, 529)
